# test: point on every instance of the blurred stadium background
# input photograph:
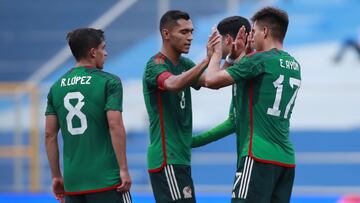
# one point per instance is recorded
(325, 124)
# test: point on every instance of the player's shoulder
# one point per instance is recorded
(157, 59)
(58, 81)
(156, 62)
(287, 55)
(106, 76)
(258, 54)
(264, 55)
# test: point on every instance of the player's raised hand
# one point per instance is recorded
(239, 43)
(125, 181)
(58, 189)
(213, 40)
(249, 47)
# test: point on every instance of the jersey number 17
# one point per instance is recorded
(278, 84)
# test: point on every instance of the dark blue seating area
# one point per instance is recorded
(34, 31)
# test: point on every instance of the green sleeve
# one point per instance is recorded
(152, 71)
(222, 130)
(50, 109)
(247, 68)
(114, 94)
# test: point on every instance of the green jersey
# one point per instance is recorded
(264, 96)
(170, 114)
(80, 99)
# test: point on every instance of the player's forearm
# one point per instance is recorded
(118, 139)
(201, 80)
(52, 150)
(211, 74)
(222, 130)
(179, 82)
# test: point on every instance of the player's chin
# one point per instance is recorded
(186, 50)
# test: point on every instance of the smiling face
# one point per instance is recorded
(180, 36)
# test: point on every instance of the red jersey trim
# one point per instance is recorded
(159, 58)
(161, 79)
(93, 191)
(162, 136)
(251, 136)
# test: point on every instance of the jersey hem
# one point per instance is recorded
(93, 191)
(155, 170)
(272, 162)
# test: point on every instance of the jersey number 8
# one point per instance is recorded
(75, 111)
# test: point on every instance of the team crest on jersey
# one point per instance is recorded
(187, 192)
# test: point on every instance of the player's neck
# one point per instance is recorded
(85, 62)
(273, 45)
(171, 54)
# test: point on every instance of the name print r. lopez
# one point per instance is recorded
(83, 80)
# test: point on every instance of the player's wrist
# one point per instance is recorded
(229, 60)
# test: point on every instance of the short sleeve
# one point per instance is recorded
(114, 95)
(50, 109)
(153, 71)
(246, 69)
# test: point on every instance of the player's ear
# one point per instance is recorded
(165, 33)
(266, 31)
(92, 52)
(228, 39)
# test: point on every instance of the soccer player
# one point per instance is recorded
(228, 29)
(265, 87)
(86, 104)
(166, 88)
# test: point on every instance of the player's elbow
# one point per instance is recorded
(50, 133)
(211, 83)
(113, 125)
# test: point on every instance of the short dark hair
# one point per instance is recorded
(232, 24)
(83, 39)
(276, 19)
(170, 18)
